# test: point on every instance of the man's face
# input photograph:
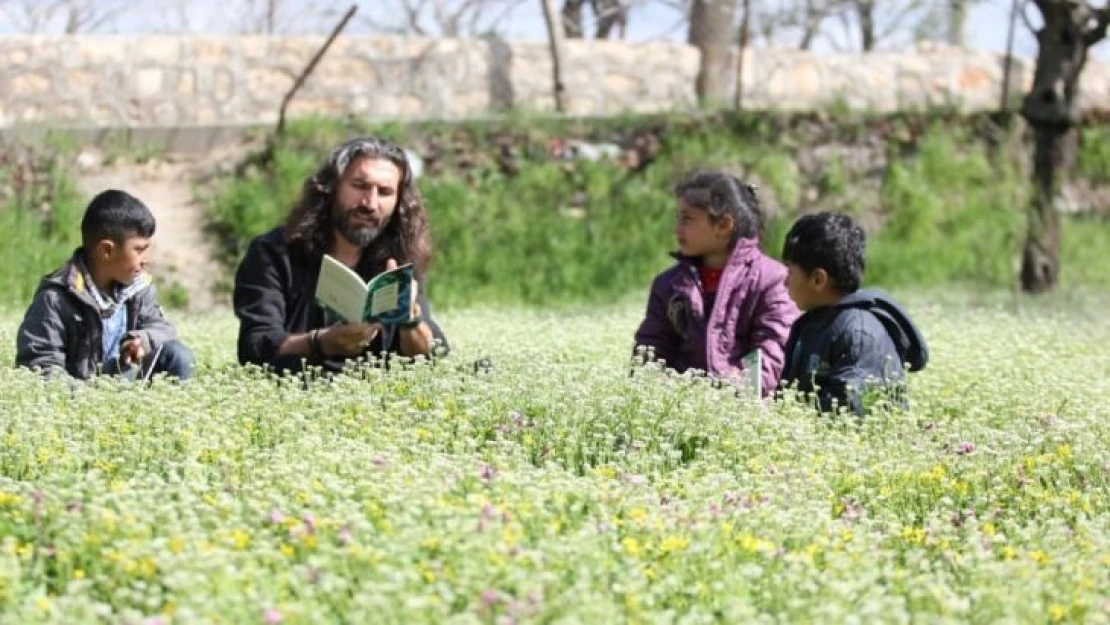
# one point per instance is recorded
(365, 199)
(125, 261)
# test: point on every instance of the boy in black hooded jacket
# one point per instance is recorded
(849, 344)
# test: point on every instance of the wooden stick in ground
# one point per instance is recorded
(745, 32)
(1007, 64)
(312, 65)
(555, 37)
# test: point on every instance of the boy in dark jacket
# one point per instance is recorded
(849, 343)
(98, 313)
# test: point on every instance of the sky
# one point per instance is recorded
(649, 20)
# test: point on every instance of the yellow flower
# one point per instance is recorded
(78, 574)
(7, 499)
(989, 529)
(177, 545)
(913, 534)
(673, 544)
(286, 550)
(631, 545)
(240, 539)
(1057, 612)
(1063, 452)
(43, 604)
(1040, 557)
(650, 572)
(637, 514)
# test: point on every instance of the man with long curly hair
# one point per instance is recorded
(361, 207)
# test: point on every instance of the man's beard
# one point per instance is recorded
(361, 236)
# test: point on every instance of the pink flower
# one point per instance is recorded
(378, 461)
(273, 617)
(276, 517)
(309, 522)
(345, 536)
(489, 597)
(965, 448)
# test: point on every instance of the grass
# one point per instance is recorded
(554, 487)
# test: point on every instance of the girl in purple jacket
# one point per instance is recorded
(724, 298)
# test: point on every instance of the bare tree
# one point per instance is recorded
(1069, 29)
(878, 21)
(61, 16)
(957, 22)
(712, 23)
(608, 14)
(441, 18)
(279, 17)
(555, 37)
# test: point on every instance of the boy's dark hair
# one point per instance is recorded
(830, 241)
(115, 215)
(721, 194)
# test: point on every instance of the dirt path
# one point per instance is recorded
(180, 252)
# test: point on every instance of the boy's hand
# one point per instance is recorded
(347, 339)
(131, 352)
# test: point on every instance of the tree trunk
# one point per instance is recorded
(711, 24)
(610, 13)
(866, 11)
(572, 18)
(1053, 155)
(811, 24)
(745, 35)
(555, 37)
(1052, 109)
(957, 23)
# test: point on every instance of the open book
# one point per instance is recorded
(387, 299)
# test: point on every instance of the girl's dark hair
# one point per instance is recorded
(309, 227)
(723, 195)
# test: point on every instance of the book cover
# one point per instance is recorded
(753, 372)
(387, 298)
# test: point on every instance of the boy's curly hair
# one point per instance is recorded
(830, 241)
(309, 227)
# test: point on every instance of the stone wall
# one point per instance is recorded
(191, 81)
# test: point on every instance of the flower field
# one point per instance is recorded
(553, 487)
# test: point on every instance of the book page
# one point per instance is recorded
(391, 295)
(341, 289)
(384, 299)
(753, 371)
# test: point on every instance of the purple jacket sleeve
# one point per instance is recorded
(773, 316)
(656, 330)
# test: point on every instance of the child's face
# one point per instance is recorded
(124, 261)
(697, 234)
(807, 289)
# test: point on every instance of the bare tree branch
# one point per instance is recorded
(1097, 32)
(1025, 17)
